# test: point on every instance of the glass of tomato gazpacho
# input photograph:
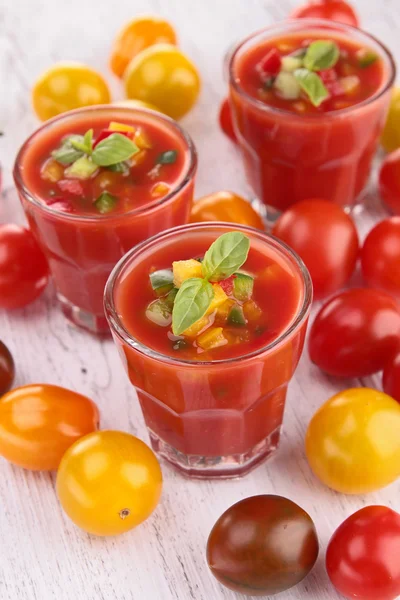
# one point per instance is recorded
(210, 325)
(94, 182)
(309, 100)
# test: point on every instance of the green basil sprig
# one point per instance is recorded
(320, 55)
(312, 85)
(113, 149)
(224, 257)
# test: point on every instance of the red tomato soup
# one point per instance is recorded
(309, 100)
(213, 396)
(94, 183)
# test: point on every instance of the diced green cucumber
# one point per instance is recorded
(366, 57)
(121, 167)
(287, 86)
(105, 203)
(291, 63)
(243, 286)
(236, 315)
(170, 299)
(159, 313)
(162, 281)
(83, 168)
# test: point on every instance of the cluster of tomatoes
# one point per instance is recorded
(146, 45)
(110, 481)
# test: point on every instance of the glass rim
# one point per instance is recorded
(303, 24)
(117, 327)
(98, 108)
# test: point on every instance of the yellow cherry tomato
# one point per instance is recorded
(353, 441)
(164, 76)
(66, 86)
(225, 206)
(109, 482)
(390, 139)
(136, 104)
(138, 34)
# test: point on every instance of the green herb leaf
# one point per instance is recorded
(320, 55)
(162, 281)
(114, 149)
(191, 303)
(120, 167)
(66, 154)
(167, 158)
(225, 256)
(105, 203)
(312, 85)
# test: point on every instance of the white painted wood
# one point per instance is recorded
(42, 555)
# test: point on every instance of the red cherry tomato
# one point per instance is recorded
(225, 120)
(380, 256)
(356, 333)
(23, 267)
(362, 558)
(334, 10)
(271, 63)
(325, 238)
(389, 181)
(391, 378)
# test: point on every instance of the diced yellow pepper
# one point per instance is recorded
(252, 311)
(219, 298)
(52, 171)
(120, 127)
(197, 327)
(142, 140)
(185, 269)
(160, 189)
(212, 338)
(223, 311)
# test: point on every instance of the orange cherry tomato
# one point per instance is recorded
(137, 35)
(225, 120)
(39, 422)
(109, 482)
(225, 206)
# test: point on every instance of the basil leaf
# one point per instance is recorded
(84, 144)
(320, 55)
(113, 149)
(225, 256)
(312, 85)
(191, 303)
(167, 158)
(105, 203)
(65, 155)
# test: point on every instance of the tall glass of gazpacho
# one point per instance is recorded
(94, 182)
(210, 320)
(309, 100)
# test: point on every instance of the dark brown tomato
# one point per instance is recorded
(262, 545)
(7, 369)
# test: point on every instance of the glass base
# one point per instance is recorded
(93, 323)
(221, 467)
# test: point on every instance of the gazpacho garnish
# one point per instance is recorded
(204, 300)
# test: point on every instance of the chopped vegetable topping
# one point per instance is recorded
(206, 315)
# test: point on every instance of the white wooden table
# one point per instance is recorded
(43, 556)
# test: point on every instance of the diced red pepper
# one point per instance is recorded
(271, 63)
(107, 132)
(225, 120)
(335, 88)
(72, 186)
(62, 206)
(328, 75)
(227, 284)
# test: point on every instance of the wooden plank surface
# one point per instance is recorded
(42, 555)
